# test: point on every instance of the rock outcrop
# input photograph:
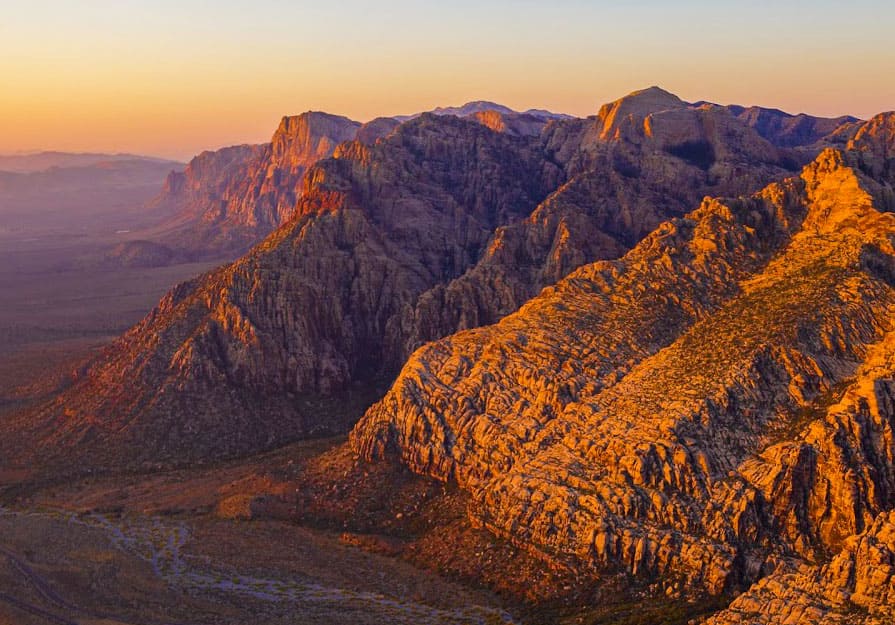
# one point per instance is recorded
(232, 198)
(857, 587)
(679, 414)
(227, 200)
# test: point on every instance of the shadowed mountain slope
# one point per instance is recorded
(228, 362)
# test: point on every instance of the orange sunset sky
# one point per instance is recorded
(173, 78)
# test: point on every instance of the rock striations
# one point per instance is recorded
(715, 404)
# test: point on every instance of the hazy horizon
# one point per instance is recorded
(170, 79)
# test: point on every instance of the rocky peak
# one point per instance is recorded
(639, 132)
(304, 139)
(874, 146)
(633, 109)
(839, 195)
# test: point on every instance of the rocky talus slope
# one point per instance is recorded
(712, 406)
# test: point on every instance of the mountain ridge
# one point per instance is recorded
(510, 413)
(448, 208)
(653, 345)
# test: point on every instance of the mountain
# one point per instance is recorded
(627, 170)
(483, 106)
(442, 225)
(30, 162)
(715, 407)
(89, 193)
(233, 197)
(229, 199)
(249, 349)
(792, 131)
(652, 349)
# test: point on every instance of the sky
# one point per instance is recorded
(174, 77)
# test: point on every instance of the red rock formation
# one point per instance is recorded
(229, 199)
(434, 227)
(650, 413)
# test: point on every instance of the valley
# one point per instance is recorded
(265, 536)
(65, 292)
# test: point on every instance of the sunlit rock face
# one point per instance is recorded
(231, 198)
(393, 234)
(856, 585)
(716, 402)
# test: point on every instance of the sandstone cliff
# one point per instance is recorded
(230, 199)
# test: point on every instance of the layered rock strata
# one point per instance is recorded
(691, 411)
